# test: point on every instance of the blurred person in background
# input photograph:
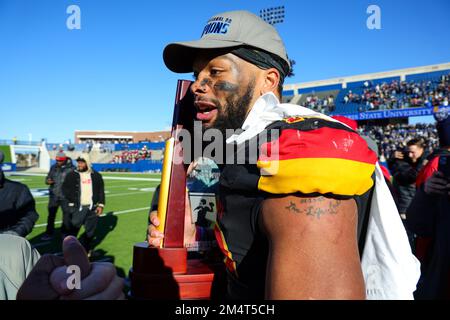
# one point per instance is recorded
(85, 194)
(429, 218)
(17, 206)
(405, 166)
(17, 259)
(55, 179)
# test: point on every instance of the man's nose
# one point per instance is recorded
(199, 86)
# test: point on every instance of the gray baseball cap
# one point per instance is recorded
(226, 30)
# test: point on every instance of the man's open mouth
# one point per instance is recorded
(206, 111)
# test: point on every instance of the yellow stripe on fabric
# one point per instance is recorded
(229, 256)
(311, 175)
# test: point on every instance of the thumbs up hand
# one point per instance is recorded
(72, 278)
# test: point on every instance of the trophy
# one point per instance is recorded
(166, 272)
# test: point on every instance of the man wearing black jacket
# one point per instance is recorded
(405, 168)
(54, 180)
(85, 194)
(17, 207)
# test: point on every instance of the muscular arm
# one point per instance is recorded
(313, 251)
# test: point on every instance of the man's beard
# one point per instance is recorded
(236, 111)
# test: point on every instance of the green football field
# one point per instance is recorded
(124, 222)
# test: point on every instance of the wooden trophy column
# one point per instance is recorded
(166, 273)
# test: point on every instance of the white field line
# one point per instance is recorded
(114, 213)
(104, 177)
(10, 174)
(110, 195)
(143, 185)
(39, 197)
(132, 179)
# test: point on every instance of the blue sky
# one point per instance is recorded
(109, 75)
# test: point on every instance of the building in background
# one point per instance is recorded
(82, 136)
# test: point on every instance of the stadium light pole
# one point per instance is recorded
(276, 15)
(273, 15)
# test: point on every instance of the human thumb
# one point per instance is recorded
(75, 255)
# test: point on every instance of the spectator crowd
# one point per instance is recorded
(323, 105)
(401, 94)
(391, 138)
(132, 156)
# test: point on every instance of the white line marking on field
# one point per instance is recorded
(110, 195)
(142, 189)
(104, 177)
(38, 197)
(128, 185)
(114, 213)
(9, 174)
(128, 193)
(132, 179)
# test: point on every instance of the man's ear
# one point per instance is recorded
(271, 81)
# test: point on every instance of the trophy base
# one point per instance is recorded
(166, 273)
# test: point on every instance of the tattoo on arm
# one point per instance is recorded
(314, 207)
(293, 207)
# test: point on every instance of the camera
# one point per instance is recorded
(405, 153)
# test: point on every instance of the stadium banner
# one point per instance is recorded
(139, 166)
(394, 113)
(139, 146)
(8, 167)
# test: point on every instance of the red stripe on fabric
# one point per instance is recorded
(386, 173)
(229, 263)
(319, 143)
(427, 171)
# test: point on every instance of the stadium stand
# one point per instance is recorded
(134, 157)
(392, 90)
(323, 101)
(395, 94)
